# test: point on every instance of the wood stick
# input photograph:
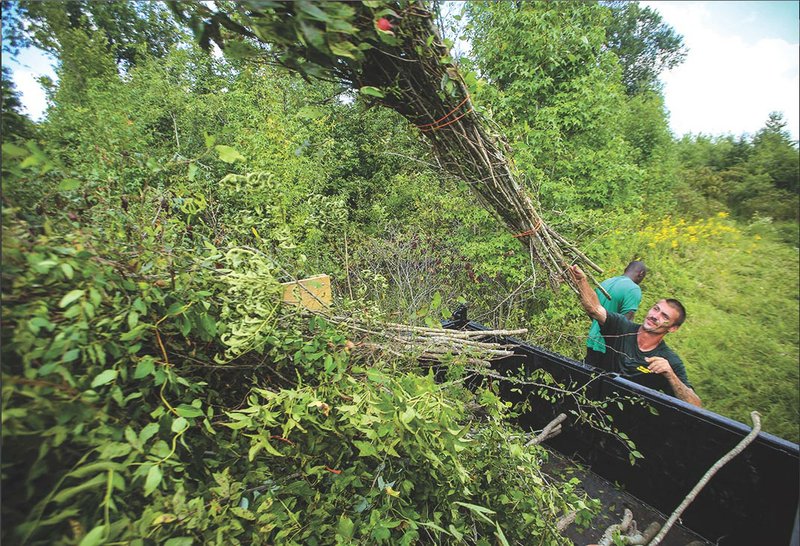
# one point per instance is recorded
(756, 417)
(548, 430)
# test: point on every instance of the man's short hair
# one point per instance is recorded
(678, 306)
(636, 266)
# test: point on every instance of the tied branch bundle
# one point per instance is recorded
(416, 72)
(429, 344)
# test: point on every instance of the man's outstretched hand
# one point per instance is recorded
(577, 274)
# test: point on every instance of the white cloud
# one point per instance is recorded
(727, 84)
(26, 69)
(33, 97)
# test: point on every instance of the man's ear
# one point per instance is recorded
(673, 328)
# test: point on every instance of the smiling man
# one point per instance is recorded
(640, 348)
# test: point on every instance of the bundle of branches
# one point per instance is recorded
(428, 344)
(391, 51)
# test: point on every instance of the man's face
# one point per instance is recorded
(661, 318)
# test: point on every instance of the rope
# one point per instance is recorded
(448, 123)
(447, 115)
(530, 231)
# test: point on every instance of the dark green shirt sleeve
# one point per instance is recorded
(616, 324)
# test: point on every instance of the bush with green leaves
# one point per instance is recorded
(119, 424)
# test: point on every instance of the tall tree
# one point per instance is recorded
(775, 154)
(644, 44)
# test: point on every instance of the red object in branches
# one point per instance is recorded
(383, 24)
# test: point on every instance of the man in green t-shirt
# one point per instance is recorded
(625, 298)
(640, 347)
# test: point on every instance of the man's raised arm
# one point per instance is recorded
(587, 296)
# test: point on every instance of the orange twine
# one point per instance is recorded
(433, 125)
(448, 123)
(530, 231)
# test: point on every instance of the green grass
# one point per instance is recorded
(740, 342)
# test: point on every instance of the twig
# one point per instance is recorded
(640, 539)
(756, 417)
(552, 429)
(566, 521)
(347, 267)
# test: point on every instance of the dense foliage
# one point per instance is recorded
(155, 392)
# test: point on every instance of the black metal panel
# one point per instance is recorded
(752, 500)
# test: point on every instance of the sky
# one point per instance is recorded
(742, 65)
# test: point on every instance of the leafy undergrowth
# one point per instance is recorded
(153, 394)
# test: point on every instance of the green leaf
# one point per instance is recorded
(36, 323)
(313, 35)
(433, 526)
(115, 449)
(94, 537)
(185, 410)
(341, 25)
(408, 415)
(479, 511)
(68, 271)
(179, 425)
(365, 449)
(154, 476)
(313, 11)
(243, 513)
(139, 306)
(371, 91)
(228, 154)
(459, 536)
(148, 432)
(133, 319)
(67, 494)
(345, 528)
(133, 334)
(210, 140)
(345, 49)
(176, 308)
(500, 536)
(310, 112)
(104, 378)
(145, 367)
(11, 150)
(70, 297)
(71, 355)
(69, 184)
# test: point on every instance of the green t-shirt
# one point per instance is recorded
(625, 357)
(625, 297)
